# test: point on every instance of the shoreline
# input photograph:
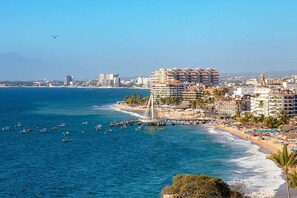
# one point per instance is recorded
(268, 145)
(62, 87)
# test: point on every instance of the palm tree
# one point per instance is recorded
(261, 104)
(283, 116)
(285, 161)
(292, 177)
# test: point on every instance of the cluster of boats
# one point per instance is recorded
(7, 128)
(66, 134)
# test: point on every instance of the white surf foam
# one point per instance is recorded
(127, 112)
(260, 176)
(103, 107)
(212, 130)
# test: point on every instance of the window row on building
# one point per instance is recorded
(207, 77)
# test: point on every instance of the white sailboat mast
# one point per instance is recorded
(152, 107)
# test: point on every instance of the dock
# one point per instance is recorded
(165, 121)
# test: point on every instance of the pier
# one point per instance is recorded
(162, 122)
(151, 118)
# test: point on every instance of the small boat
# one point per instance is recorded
(62, 125)
(6, 128)
(107, 131)
(138, 128)
(23, 131)
(54, 128)
(66, 133)
(98, 127)
(26, 130)
(29, 130)
(66, 140)
(84, 123)
(19, 124)
(43, 130)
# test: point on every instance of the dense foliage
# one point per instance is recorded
(205, 99)
(278, 121)
(192, 186)
(136, 99)
(220, 92)
(169, 101)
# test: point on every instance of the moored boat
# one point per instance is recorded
(43, 130)
(66, 140)
(7, 128)
(98, 127)
(62, 125)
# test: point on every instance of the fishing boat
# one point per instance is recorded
(43, 130)
(66, 133)
(108, 131)
(6, 128)
(26, 130)
(23, 131)
(62, 125)
(66, 140)
(98, 127)
(29, 130)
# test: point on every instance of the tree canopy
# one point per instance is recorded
(202, 186)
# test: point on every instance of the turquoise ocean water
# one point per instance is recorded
(121, 163)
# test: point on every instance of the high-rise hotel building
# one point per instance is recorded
(207, 77)
(172, 82)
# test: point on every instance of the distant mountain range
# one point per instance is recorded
(16, 67)
(266, 73)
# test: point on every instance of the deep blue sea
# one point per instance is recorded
(121, 163)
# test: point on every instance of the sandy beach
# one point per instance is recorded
(267, 143)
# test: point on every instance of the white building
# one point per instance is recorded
(269, 101)
(143, 81)
(109, 80)
(116, 81)
(208, 76)
(260, 101)
(252, 82)
(288, 85)
(241, 91)
(168, 89)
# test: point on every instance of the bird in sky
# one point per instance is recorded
(55, 36)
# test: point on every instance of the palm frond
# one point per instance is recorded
(292, 177)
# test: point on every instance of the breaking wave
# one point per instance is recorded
(260, 176)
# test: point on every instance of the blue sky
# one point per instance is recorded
(138, 37)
